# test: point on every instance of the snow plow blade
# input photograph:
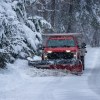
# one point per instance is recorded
(69, 64)
(50, 62)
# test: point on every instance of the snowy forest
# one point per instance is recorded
(22, 23)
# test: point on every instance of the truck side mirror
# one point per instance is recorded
(83, 45)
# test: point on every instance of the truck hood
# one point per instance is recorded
(60, 49)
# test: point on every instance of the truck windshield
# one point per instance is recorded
(61, 43)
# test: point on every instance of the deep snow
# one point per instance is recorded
(20, 82)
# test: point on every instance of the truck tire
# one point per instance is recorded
(82, 59)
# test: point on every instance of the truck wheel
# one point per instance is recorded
(82, 59)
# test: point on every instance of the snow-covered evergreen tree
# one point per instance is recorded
(19, 35)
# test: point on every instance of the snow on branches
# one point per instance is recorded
(18, 34)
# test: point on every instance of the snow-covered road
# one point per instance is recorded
(20, 82)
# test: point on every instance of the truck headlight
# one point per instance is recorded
(49, 51)
(68, 51)
(75, 55)
(45, 56)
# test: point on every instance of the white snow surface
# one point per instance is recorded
(21, 82)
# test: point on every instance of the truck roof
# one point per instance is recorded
(78, 36)
(60, 37)
(63, 34)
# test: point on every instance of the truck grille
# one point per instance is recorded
(60, 55)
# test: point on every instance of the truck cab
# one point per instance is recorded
(61, 47)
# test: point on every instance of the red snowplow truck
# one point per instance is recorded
(62, 51)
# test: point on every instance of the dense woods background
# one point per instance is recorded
(70, 16)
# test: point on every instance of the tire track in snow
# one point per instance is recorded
(94, 77)
(90, 60)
